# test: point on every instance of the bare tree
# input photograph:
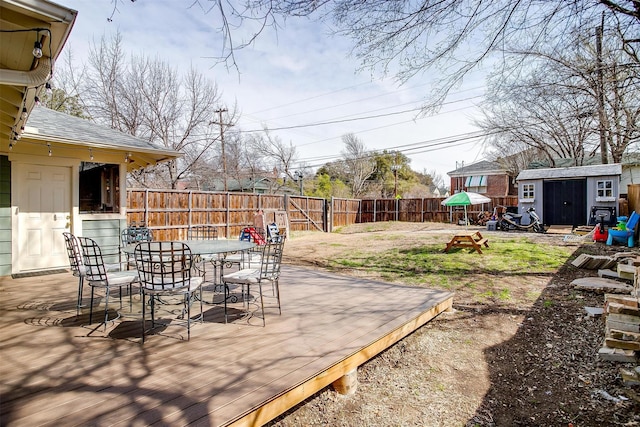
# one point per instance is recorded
(276, 153)
(360, 166)
(147, 98)
(409, 37)
(64, 92)
(553, 109)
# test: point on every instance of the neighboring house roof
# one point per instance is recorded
(572, 172)
(259, 184)
(483, 167)
(53, 126)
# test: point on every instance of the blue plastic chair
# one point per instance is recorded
(624, 235)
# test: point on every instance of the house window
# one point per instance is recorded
(476, 184)
(99, 187)
(604, 189)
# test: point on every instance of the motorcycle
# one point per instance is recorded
(511, 221)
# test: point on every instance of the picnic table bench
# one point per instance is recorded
(468, 240)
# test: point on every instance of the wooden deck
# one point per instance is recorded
(54, 373)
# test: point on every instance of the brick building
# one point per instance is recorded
(484, 177)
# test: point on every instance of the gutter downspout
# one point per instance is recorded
(32, 78)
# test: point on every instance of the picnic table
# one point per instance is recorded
(471, 239)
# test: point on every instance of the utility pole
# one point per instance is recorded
(458, 184)
(299, 176)
(394, 168)
(600, 91)
(224, 157)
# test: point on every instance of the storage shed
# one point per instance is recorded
(570, 196)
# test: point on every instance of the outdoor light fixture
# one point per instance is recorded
(91, 154)
(37, 49)
(49, 145)
(24, 113)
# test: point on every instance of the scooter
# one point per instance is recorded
(510, 221)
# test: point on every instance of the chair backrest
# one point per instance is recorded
(133, 234)
(75, 254)
(273, 233)
(632, 221)
(163, 266)
(271, 260)
(202, 232)
(93, 262)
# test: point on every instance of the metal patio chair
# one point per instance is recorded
(76, 262)
(267, 272)
(205, 232)
(165, 269)
(98, 276)
(131, 235)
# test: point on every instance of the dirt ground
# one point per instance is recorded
(530, 360)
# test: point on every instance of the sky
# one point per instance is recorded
(300, 82)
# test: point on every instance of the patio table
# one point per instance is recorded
(200, 248)
(209, 247)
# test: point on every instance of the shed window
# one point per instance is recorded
(528, 191)
(99, 187)
(604, 188)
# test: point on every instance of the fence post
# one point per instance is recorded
(329, 212)
(375, 205)
(190, 203)
(328, 215)
(146, 207)
(397, 207)
(228, 215)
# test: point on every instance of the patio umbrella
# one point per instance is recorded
(465, 198)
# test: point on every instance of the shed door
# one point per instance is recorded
(565, 202)
(44, 202)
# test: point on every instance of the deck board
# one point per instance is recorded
(227, 374)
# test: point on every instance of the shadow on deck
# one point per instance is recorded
(240, 373)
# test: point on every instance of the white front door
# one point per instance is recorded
(44, 204)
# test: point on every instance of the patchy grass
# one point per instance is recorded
(513, 257)
(427, 264)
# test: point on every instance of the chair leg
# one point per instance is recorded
(80, 285)
(144, 306)
(264, 322)
(225, 291)
(201, 312)
(91, 306)
(277, 288)
(188, 301)
(106, 305)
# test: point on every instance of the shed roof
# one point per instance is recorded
(571, 172)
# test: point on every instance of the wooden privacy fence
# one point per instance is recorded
(170, 213)
(351, 211)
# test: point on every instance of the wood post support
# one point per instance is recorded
(348, 383)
